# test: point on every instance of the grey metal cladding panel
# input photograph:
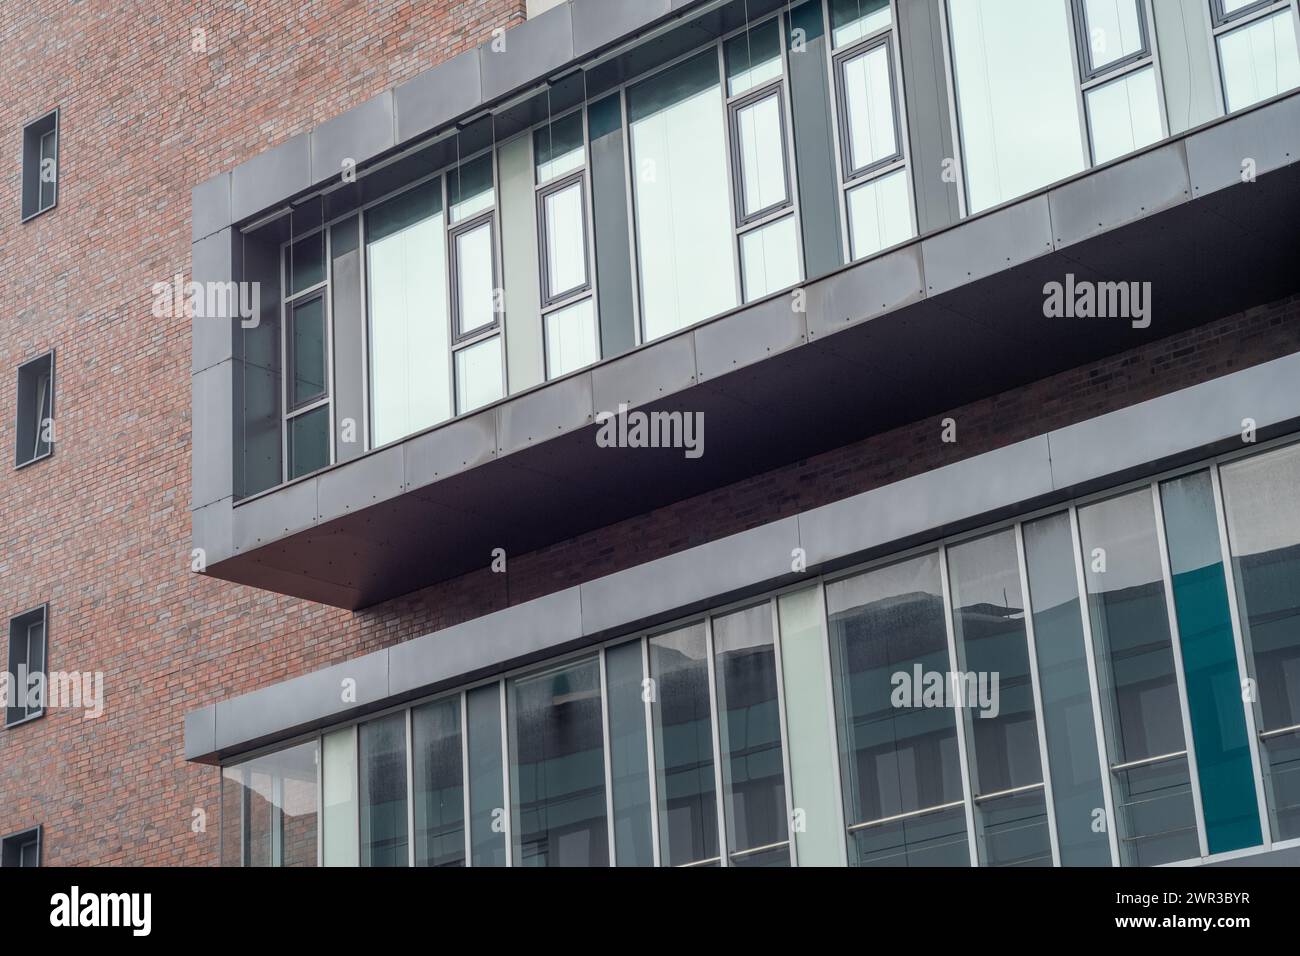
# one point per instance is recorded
(212, 337)
(455, 447)
(927, 502)
(597, 23)
(212, 529)
(1120, 194)
(270, 177)
(928, 122)
(1180, 421)
(284, 512)
(987, 245)
(212, 434)
(438, 96)
(358, 484)
(645, 375)
(486, 642)
(361, 133)
(748, 336)
(532, 49)
(210, 207)
(697, 574)
(302, 701)
(866, 290)
(1269, 135)
(200, 732)
(558, 407)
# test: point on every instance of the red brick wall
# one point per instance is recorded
(101, 530)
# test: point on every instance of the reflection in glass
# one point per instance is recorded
(382, 754)
(475, 278)
(558, 148)
(895, 760)
(1124, 115)
(753, 58)
(478, 375)
(339, 796)
(566, 240)
(1259, 60)
(486, 783)
(749, 726)
(307, 348)
(853, 19)
(869, 109)
(1263, 513)
(309, 442)
(571, 338)
(1114, 31)
(307, 262)
(1139, 689)
(769, 258)
(269, 809)
(683, 738)
(439, 784)
(760, 143)
(470, 188)
(629, 764)
(1016, 96)
(557, 768)
(879, 214)
(685, 243)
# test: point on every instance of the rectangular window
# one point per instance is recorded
(563, 213)
(473, 264)
(27, 666)
(557, 768)
(479, 374)
(40, 165)
(339, 798)
(852, 20)
(571, 338)
(758, 138)
(1124, 114)
(21, 849)
(476, 299)
(306, 348)
(879, 214)
(1121, 91)
(769, 258)
(439, 777)
(1111, 33)
(35, 429)
(628, 755)
(486, 777)
(269, 813)
(1259, 59)
(381, 751)
(870, 135)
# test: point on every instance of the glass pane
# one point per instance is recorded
(685, 243)
(1013, 830)
(309, 442)
(853, 19)
(487, 820)
(269, 809)
(629, 765)
(470, 189)
(898, 751)
(558, 147)
(879, 214)
(759, 140)
(306, 264)
(475, 278)
(339, 787)
(1259, 60)
(749, 727)
(753, 58)
(566, 240)
(409, 330)
(928, 839)
(1232, 6)
(478, 375)
(1209, 651)
(382, 753)
(48, 170)
(308, 348)
(1069, 725)
(439, 784)
(683, 736)
(869, 109)
(36, 665)
(769, 258)
(571, 338)
(557, 768)
(1135, 669)
(1015, 95)
(1124, 115)
(1263, 512)
(1114, 30)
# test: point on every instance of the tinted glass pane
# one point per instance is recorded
(557, 768)
(306, 265)
(409, 330)
(685, 244)
(470, 188)
(475, 278)
(339, 788)
(48, 171)
(486, 783)
(753, 58)
(382, 753)
(761, 147)
(1015, 96)
(1124, 115)
(1069, 724)
(1263, 512)
(869, 108)
(309, 441)
(571, 338)
(853, 19)
(929, 839)
(898, 753)
(769, 258)
(1114, 30)
(478, 375)
(1259, 60)
(439, 784)
(879, 214)
(629, 763)
(1209, 651)
(308, 349)
(558, 147)
(269, 809)
(1013, 830)
(749, 726)
(683, 737)
(566, 240)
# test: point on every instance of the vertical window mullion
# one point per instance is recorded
(648, 701)
(963, 742)
(785, 734)
(724, 850)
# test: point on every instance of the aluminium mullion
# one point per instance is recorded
(963, 745)
(609, 776)
(785, 734)
(464, 777)
(737, 282)
(723, 845)
(648, 700)
(320, 800)
(409, 723)
(507, 809)
(1081, 103)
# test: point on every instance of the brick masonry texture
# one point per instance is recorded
(101, 529)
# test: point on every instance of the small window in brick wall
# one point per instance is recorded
(25, 699)
(21, 849)
(35, 431)
(40, 165)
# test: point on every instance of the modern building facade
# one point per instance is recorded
(691, 433)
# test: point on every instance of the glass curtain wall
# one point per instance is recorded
(439, 783)
(269, 809)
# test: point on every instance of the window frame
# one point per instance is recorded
(487, 217)
(1223, 24)
(773, 89)
(839, 60)
(544, 191)
(1219, 16)
(288, 304)
(21, 839)
(1082, 34)
(45, 401)
(33, 140)
(23, 624)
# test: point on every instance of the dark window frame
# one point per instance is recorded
(454, 232)
(294, 407)
(34, 134)
(774, 89)
(562, 184)
(862, 48)
(21, 625)
(23, 402)
(1087, 69)
(16, 842)
(1220, 16)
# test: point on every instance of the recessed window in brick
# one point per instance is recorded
(26, 697)
(21, 849)
(40, 164)
(35, 431)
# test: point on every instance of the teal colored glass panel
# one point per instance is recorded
(628, 759)
(1214, 700)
